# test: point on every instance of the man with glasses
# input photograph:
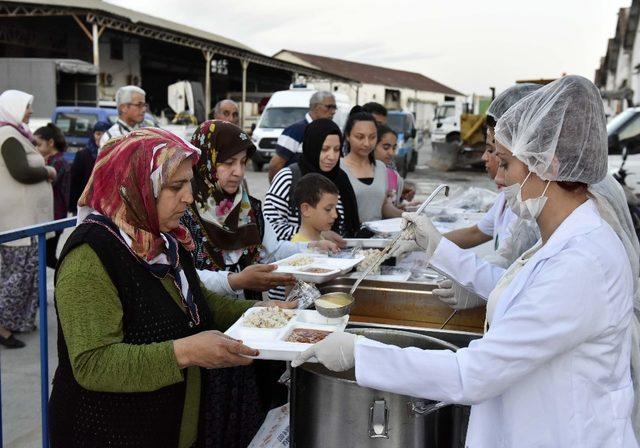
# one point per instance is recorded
(289, 147)
(131, 104)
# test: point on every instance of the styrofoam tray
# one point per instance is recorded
(393, 226)
(336, 266)
(368, 243)
(388, 226)
(395, 275)
(271, 342)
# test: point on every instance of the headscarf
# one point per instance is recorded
(314, 137)
(126, 182)
(92, 146)
(228, 220)
(13, 105)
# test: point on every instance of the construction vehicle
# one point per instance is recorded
(457, 137)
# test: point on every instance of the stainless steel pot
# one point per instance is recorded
(329, 410)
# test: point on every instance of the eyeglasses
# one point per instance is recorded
(331, 106)
(139, 105)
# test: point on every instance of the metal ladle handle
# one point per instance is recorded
(395, 240)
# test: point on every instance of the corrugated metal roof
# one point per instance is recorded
(372, 74)
(136, 16)
(130, 21)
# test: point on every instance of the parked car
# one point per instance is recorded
(77, 122)
(407, 154)
(624, 131)
(283, 109)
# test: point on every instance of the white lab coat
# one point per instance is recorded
(274, 250)
(553, 369)
(497, 222)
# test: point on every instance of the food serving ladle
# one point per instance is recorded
(384, 252)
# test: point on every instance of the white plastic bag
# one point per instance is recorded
(274, 432)
(304, 293)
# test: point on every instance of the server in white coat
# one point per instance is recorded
(511, 235)
(553, 369)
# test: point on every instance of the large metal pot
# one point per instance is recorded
(329, 410)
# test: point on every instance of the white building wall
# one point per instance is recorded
(121, 71)
(634, 75)
(622, 68)
(421, 103)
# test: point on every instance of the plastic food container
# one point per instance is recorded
(272, 342)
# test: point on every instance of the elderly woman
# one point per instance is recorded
(26, 199)
(135, 324)
(232, 239)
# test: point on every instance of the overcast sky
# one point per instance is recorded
(468, 45)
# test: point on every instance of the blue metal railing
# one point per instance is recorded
(40, 231)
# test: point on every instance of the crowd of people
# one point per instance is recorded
(171, 248)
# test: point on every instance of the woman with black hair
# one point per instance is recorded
(321, 151)
(367, 175)
(51, 144)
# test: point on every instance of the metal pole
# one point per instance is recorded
(44, 342)
(208, 55)
(245, 65)
(95, 39)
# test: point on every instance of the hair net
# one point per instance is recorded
(559, 131)
(508, 98)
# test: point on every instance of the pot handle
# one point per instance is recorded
(423, 408)
(379, 420)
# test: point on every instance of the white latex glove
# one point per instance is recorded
(456, 296)
(336, 352)
(425, 233)
(403, 247)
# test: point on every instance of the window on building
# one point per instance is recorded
(392, 99)
(117, 49)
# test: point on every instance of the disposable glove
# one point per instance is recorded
(335, 352)
(404, 246)
(424, 232)
(456, 296)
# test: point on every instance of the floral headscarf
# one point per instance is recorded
(228, 221)
(126, 181)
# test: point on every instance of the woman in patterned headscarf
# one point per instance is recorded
(232, 239)
(135, 324)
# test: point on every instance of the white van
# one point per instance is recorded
(283, 109)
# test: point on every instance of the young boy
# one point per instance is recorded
(317, 198)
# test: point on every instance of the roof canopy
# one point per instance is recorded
(125, 20)
(372, 74)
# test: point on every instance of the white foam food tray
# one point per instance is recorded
(399, 275)
(368, 243)
(393, 226)
(272, 342)
(334, 266)
(387, 226)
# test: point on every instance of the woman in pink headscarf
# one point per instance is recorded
(135, 324)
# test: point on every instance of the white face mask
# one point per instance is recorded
(529, 209)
